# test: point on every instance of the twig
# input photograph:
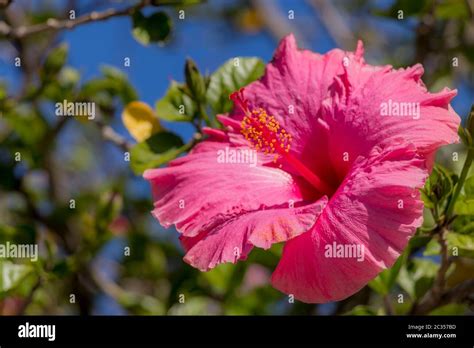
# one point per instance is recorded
(460, 183)
(55, 24)
(433, 297)
(445, 263)
(108, 133)
(108, 287)
(388, 305)
(459, 293)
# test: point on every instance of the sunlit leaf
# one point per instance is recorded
(452, 9)
(151, 29)
(140, 120)
(176, 105)
(114, 83)
(155, 151)
(450, 309)
(194, 305)
(384, 282)
(418, 278)
(231, 76)
(461, 243)
(11, 275)
(55, 61)
(361, 310)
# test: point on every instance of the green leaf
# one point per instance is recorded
(466, 228)
(110, 206)
(464, 206)
(28, 125)
(219, 278)
(450, 309)
(426, 197)
(19, 234)
(196, 305)
(465, 203)
(432, 248)
(361, 310)
(462, 243)
(140, 304)
(113, 83)
(123, 87)
(176, 105)
(231, 76)
(438, 187)
(465, 136)
(151, 29)
(449, 9)
(11, 276)
(155, 151)
(385, 281)
(469, 187)
(419, 241)
(64, 86)
(418, 278)
(62, 268)
(458, 245)
(55, 61)
(3, 91)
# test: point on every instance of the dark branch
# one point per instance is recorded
(56, 24)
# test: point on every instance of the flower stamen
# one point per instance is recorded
(266, 135)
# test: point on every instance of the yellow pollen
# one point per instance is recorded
(264, 132)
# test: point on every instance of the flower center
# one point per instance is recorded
(266, 134)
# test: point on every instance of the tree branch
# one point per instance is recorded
(55, 24)
(436, 296)
(109, 134)
(460, 293)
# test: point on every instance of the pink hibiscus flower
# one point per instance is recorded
(325, 153)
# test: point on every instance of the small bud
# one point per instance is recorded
(194, 80)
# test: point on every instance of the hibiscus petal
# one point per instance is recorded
(377, 207)
(198, 193)
(233, 240)
(362, 96)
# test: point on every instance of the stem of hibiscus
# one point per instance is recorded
(436, 296)
(460, 183)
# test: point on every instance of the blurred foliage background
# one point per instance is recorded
(73, 185)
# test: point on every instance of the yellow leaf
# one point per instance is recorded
(140, 121)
